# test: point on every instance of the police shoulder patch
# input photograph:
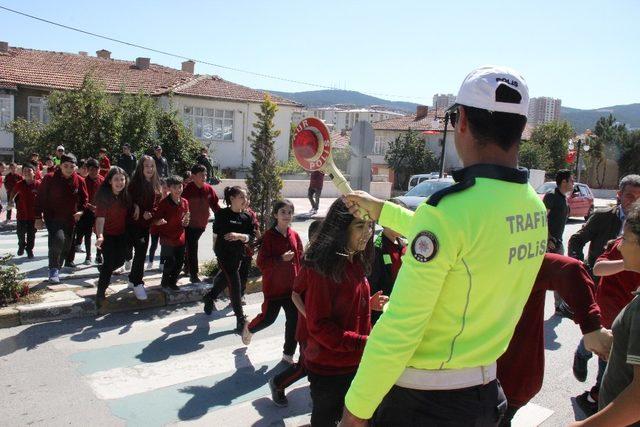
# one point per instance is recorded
(424, 246)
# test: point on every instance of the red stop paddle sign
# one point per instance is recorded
(311, 144)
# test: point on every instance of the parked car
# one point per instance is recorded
(417, 179)
(580, 200)
(422, 191)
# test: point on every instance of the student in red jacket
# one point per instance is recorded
(25, 192)
(173, 216)
(62, 196)
(337, 308)
(105, 163)
(85, 226)
(201, 197)
(615, 291)
(145, 192)
(112, 209)
(521, 367)
(10, 181)
(279, 261)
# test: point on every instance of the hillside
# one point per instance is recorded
(579, 119)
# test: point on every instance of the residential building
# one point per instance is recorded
(220, 113)
(442, 101)
(342, 118)
(543, 110)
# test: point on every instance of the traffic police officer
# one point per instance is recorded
(473, 254)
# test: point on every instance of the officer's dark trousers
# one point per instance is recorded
(193, 235)
(314, 197)
(138, 243)
(174, 258)
(269, 314)
(327, 397)
(113, 254)
(478, 406)
(60, 240)
(26, 231)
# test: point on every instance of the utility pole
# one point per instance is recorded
(444, 143)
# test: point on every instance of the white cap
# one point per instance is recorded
(480, 90)
(60, 147)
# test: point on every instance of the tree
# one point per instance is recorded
(179, 145)
(630, 154)
(408, 155)
(30, 135)
(553, 138)
(263, 182)
(608, 138)
(533, 155)
(138, 115)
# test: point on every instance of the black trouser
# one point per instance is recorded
(173, 260)
(269, 314)
(292, 374)
(84, 229)
(113, 255)
(138, 241)
(229, 276)
(482, 405)
(60, 241)
(327, 396)
(245, 265)
(152, 248)
(314, 197)
(508, 416)
(193, 235)
(26, 230)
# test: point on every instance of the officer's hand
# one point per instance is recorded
(599, 342)
(377, 301)
(350, 420)
(360, 201)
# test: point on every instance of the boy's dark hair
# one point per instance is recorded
(493, 127)
(92, 163)
(562, 175)
(197, 168)
(28, 165)
(34, 154)
(68, 157)
(81, 163)
(47, 158)
(324, 254)
(174, 180)
(102, 150)
(230, 192)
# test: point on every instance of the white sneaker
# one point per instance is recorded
(119, 271)
(246, 335)
(127, 265)
(139, 292)
(287, 358)
(149, 266)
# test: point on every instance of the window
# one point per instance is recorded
(209, 123)
(6, 109)
(38, 109)
(379, 146)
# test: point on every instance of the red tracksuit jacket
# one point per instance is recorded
(26, 201)
(200, 200)
(278, 275)
(338, 321)
(59, 197)
(172, 233)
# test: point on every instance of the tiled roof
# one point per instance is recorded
(60, 70)
(340, 140)
(404, 123)
(215, 87)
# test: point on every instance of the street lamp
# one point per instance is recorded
(580, 145)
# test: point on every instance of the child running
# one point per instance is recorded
(234, 228)
(10, 181)
(112, 207)
(173, 216)
(25, 192)
(154, 231)
(337, 307)
(619, 396)
(279, 261)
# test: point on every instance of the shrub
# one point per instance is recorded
(11, 286)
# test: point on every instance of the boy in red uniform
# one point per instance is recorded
(25, 192)
(84, 227)
(62, 196)
(105, 163)
(173, 216)
(201, 197)
(10, 180)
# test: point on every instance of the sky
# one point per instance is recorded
(583, 52)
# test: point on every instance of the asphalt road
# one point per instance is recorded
(162, 367)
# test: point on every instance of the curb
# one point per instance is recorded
(116, 302)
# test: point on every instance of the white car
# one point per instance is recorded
(423, 191)
(417, 179)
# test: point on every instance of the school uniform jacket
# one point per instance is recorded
(200, 200)
(26, 199)
(278, 275)
(172, 233)
(59, 198)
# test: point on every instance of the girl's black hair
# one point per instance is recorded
(327, 246)
(105, 194)
(139, 187)
(279, 204)
(230, 192)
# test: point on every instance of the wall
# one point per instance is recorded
(237, 153)
(6, 138)
(298, 188)
(536, 177)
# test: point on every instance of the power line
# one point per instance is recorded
(175, 55)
